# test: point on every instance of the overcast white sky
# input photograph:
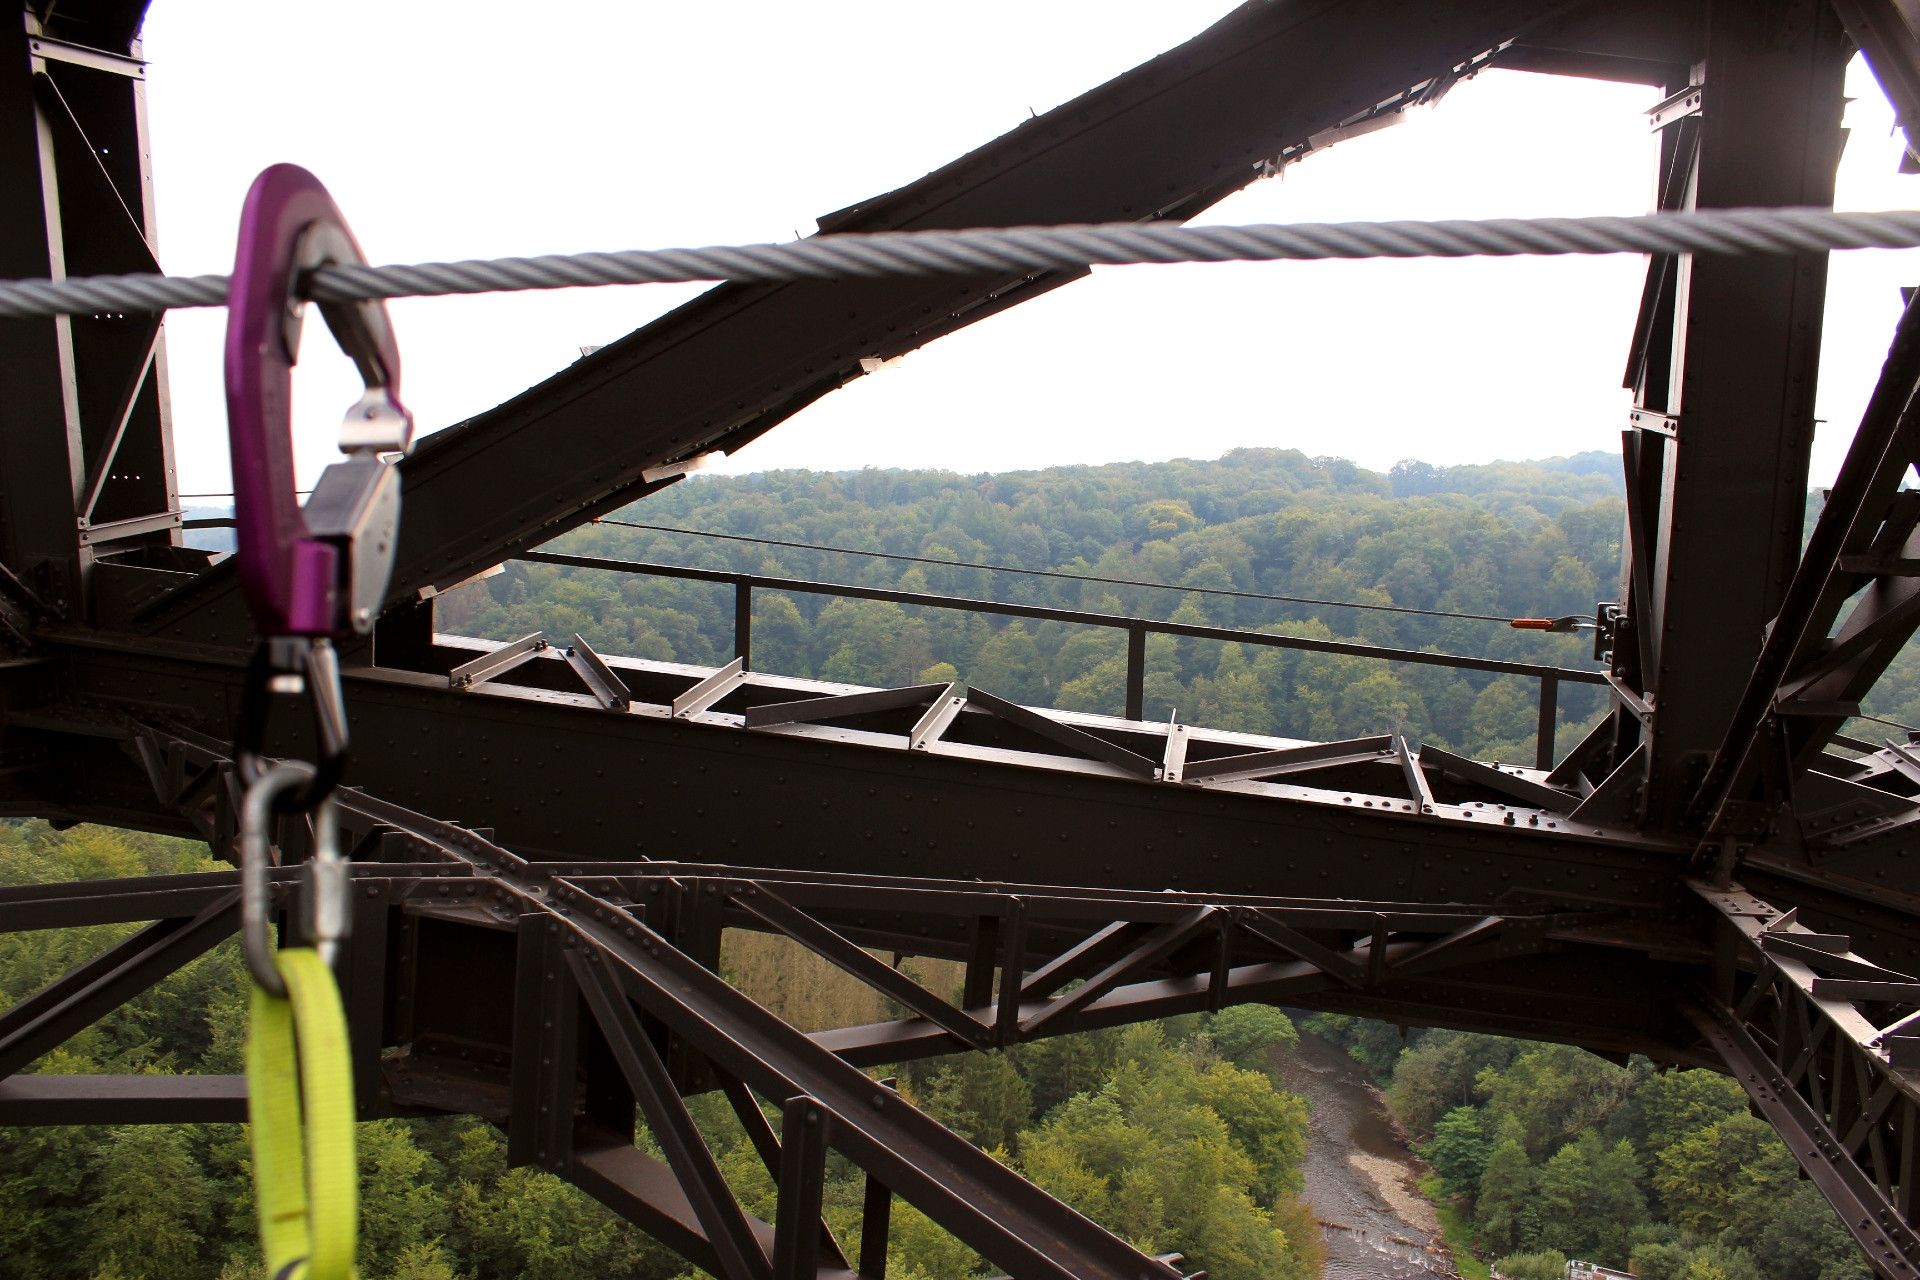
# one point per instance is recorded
(488, 129)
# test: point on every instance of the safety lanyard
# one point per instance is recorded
(300, 1102)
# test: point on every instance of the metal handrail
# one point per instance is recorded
(1137, 629)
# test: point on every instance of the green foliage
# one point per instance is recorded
(153, 1205)
(918, 1249)
(1553, 1151)
(1507, 1215)
(1442, 1072)
(531, 1224)
(1659, 1260)
(1801, 1239)
(1719, 1262)
(980, 1096)
(1247, 1035)
(1674, 1104)
(427, 1261)
(1059, 1068)
(1181, 1151)
(1459, 1151)
(1269, 1126)
(1554, 1092)
(1548, 1264)
(1704, 1177)
(1507, 539)
(403, 1201)
(1589, 1200)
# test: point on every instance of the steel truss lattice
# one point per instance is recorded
(1713, 877)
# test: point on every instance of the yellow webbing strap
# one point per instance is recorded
(305, 1186)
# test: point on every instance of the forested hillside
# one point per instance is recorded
(1551, 1152)
(1502, 541)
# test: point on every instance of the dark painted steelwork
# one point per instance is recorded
(1702, 879)
(1823, 1042)
(1857, 544)
(86, 446)
(1738, 349)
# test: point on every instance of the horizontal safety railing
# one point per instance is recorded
(1137, 630)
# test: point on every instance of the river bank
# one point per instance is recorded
(1360, 1178)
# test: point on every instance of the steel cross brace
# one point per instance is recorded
(1859, 540)
(596, 956)
(621, 966)
(52, 1015)
(1825, 1044)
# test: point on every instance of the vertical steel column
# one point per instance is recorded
(1736, 411)
(546, 1049)
(41, 460)
(803, 1173)
(86, 446)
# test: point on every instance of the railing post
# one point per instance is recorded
(876, 1218)
(803, 1158)
(1549, 714)
(1136, 673)
(743, 623)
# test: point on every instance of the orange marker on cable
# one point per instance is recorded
(1572, 622)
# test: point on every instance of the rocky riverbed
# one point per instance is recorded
(1360, 1178)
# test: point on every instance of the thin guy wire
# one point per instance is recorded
(1070, 577)
(1001, 251)
(1893, 724)
(229, 493)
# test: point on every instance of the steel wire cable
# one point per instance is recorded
(1031, 573)
(1003, 251)
(1892, 724)
(1070, 577)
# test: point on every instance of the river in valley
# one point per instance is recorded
(1359, 1177)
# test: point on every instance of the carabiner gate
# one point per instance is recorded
(321, 570)
(317, 573)
(325, 922)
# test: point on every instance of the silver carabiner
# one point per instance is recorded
(326, 874)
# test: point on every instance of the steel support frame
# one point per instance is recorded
(86, 443)
(1823, 1041)
(593, 972)
(860, 799)
(123, 971)
(1865, 522)
(1594, 909)
(1729, 362)
(615, 959)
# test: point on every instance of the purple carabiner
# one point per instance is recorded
(304, 573)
